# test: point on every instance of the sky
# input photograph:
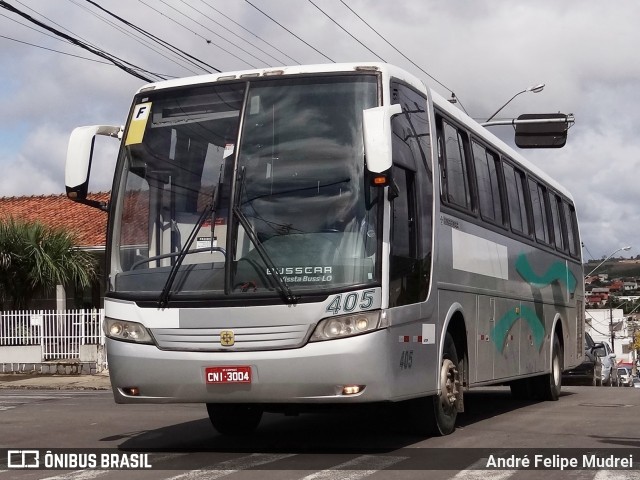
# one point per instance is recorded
(584, 51)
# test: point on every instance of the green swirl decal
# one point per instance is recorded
(556, 272)
(500, 331)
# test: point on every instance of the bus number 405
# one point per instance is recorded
(363, 300)
(406, 359)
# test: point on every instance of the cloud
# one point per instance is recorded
(484, 51)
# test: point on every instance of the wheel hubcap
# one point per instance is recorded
(449, 383)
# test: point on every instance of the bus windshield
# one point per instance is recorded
(246, 189)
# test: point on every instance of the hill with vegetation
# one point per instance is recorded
(628, 267)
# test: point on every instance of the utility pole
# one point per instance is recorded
(613, 336)
(634, 345)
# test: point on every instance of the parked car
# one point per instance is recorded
(609, 369)
(589, 372)
(626, 376)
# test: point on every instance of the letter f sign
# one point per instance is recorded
(142, 112)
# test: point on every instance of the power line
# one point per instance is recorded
(403, 55)
(87, 42)
(75, 41)
(57, 51)
(57, 24)
(207, 40)
(190, 58)
(31, 28)
(346, 31)
(53, 49)
(211, 31)
(230, 31)
(74, 34)
(250, 32)
(138, 39)
(289, 31)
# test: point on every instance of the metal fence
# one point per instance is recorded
(60, 333)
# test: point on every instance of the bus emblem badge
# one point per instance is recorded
(227, 338)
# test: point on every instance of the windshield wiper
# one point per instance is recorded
(280, 283)
(210, 208)
(166, 290)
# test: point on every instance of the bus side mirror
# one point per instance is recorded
(376, 125)
(79, 156)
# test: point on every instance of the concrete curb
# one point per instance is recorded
(55, 382)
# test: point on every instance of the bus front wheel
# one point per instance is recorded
(445, 405)
(234, 420)
(437, 414)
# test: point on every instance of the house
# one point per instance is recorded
(596, 300)
(616, 286)
(88, 224)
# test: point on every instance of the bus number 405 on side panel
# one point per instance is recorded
(363, 300)
(406, 359)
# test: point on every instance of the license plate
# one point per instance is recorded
(237, 374)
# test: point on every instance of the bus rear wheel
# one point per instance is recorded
(542, 387)
(548, 386)
(234, 419)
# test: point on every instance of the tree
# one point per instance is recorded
(36, 257)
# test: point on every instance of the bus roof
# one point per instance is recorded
(385, 68)
(388, 71)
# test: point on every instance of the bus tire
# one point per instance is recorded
(445, 410)
(234, 420)
(436, 414)
(445, 404)
(549, 385)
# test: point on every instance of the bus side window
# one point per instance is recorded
(514, 180)
(456, 170)
(404, 271)
(538, 204)
(559, 234)
(488, 184)
(572, 229)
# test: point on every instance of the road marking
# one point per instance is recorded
(343, 472)
(228, 467)
(478, 471)
(617, 475)
(484, 474)
(79, 475)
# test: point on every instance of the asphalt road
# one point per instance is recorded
(181, 443)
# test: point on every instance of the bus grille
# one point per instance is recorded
(244, 338)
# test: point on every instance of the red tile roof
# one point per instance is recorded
(87, 223)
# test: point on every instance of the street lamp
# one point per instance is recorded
(610, 255)
(534, 89)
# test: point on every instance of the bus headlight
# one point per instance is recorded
(127, 331)
(348, 325)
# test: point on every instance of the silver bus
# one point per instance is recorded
(284, 239)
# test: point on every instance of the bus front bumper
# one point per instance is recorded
(315, 373)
